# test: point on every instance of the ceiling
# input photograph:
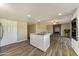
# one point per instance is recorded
(37, 11)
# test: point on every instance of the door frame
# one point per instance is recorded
(58, 25)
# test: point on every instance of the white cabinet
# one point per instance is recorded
(40, 41)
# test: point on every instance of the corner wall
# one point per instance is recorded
(31, 29)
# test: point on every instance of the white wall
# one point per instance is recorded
(14, 31)
(10, 32)
(41, 28)
(50, 28)
(75, 44)
(64, 26)
(31, 29)
(21, 31)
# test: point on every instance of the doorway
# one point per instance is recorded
(57, 30)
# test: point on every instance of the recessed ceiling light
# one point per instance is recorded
(1, 4)
(38, 20)
(29, 15)
(59, 14)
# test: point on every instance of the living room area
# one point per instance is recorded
(39, 29)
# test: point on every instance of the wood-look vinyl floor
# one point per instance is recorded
(25, 49)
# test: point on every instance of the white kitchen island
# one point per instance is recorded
(40, 40)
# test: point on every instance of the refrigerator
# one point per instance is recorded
(1, 31)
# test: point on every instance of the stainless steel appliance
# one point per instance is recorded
(1, 31)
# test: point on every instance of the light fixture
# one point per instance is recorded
(54, 22)
(28, 15)
(1, 4)
(38, 20)
(59, 14)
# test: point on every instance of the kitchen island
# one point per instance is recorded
(40, 40)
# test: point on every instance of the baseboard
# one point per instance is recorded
(11, 45)
(22, 40)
